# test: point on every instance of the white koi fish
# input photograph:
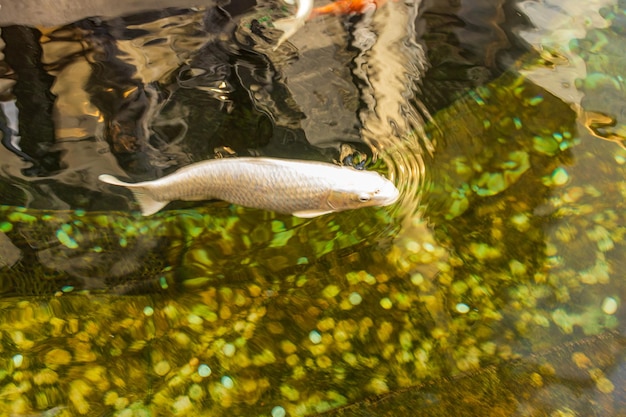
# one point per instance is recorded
(291, 25)
(301, 188)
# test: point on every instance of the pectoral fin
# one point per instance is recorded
(147, 204)
(307, 214)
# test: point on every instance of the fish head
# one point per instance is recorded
(365, 189)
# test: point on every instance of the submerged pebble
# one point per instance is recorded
(227, 382)
(278, 411)
(229, 350)
(560, 176)
(66, 240)
(162, 368)
(386, 303)
(355, 298)
(18, 360)
(315, 337)
(204, 370)
(609, 305)
(462, 308)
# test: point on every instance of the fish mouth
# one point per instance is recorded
(389, 195)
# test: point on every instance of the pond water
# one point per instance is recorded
(493, 287)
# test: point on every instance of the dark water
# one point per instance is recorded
(493, 287)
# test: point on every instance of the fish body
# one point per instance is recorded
(341, 7)
(291, 25)
(302, 188)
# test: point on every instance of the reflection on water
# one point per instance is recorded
(493, 287)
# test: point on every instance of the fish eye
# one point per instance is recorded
(363, 198)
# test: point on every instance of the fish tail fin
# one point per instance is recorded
(147, 204)
(289, 26)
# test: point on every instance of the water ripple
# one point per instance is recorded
(390, 69)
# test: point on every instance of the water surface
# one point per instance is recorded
(493, 287)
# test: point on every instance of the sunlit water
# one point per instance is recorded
(493, 287)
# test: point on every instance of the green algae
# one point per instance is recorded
(6, 227)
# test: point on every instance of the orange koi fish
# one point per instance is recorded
(340, 7)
